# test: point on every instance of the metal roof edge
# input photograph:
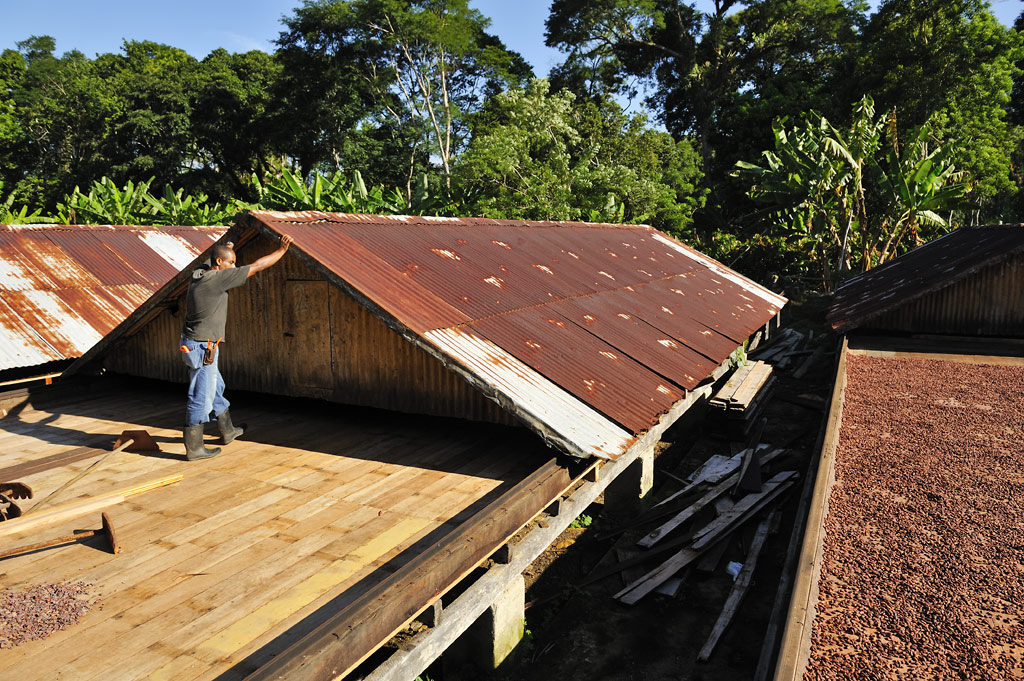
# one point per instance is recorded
(327, 216)
(732, 275)
(524, 392)
(923, 290)
(28, 227)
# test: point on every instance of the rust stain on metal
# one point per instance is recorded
(923, 271)
(621, 317)
(65, 286)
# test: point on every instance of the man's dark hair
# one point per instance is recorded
(221, 253)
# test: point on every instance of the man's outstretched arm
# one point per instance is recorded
(271, 258)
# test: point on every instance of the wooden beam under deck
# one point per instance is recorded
(299, 519)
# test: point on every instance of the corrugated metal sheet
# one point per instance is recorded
(989, 302)
(905, 281)
(583, 364)
(620, 318)
(586, 432)
(63, 287)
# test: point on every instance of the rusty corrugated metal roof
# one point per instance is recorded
(927, 268)
(617, 320)
(64, 287)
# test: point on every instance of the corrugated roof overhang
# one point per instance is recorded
(926, 269)
(64, 287)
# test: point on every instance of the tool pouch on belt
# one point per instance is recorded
(211, 351)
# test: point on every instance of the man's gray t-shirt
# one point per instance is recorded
(207, 307)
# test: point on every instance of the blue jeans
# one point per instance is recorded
(205, 385)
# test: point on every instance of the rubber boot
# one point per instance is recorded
(228, 430)
(194, 447)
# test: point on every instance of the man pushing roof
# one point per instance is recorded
(201, 336)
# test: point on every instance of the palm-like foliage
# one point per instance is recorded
(806, 179)
(106, 203)
(289, 191)
(178, 208)
(133, 204)
(9, 215)
(915, 182)
(819, 180)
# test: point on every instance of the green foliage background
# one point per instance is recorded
(417, 106)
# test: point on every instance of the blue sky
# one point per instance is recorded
(199, 26)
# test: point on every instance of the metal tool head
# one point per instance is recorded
(8, 509)
(108, 530)
(16, 490)
(142, 441)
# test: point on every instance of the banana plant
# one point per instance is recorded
(106, 203)
(177, 208)
(11, 216)
(338, 193)
(858, 147)
(916, 181)
(808, 182)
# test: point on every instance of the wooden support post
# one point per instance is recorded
(625, 493)
(432, 615)
(492, 638)
(504, 554)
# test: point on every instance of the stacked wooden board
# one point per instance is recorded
(739, 403)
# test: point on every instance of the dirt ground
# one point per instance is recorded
(581, 633)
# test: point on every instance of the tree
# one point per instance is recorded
(12, 135)
(687, 54)
(230, 122)
(325, 88)
(833, 190)
(720, 76)
(951, 62)
(415, 68)
(808, 180)
(444, 63)
(794, 56)
(150, 133)
(62, 107)
(916, 180)
(536, 155)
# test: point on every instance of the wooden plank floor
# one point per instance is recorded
(222, 570)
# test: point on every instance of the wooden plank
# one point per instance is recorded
(796, 638)
(21, 470)
(347, 638)
(259, 620)
(135, 648)
(743, 509)
(221, 596)
(76, 509)
(412, 660)
(739, 589)
(723, 395)
(709, 497)
(705, 537)
(757, 379)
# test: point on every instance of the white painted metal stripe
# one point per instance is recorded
(543, 400)
(20, 345)
(63, 322)
(171, 248)
(755, 288)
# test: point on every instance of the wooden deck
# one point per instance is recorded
(252, 549)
